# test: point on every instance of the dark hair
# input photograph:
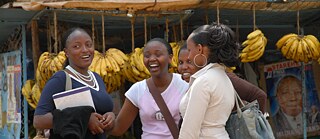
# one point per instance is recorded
(164, 42)
(183, 47)
(67, 34)
(220, 40)
(65, 38)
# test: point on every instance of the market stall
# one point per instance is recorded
(120, 30)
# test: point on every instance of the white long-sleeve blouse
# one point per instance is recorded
(206, 106)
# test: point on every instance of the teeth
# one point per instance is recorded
(153, 65)
(85, 56)
(186, 74)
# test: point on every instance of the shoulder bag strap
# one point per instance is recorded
(164, 109)
(68, 81)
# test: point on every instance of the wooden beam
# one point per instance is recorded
(35, 44)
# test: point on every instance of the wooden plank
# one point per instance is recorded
(35, 44)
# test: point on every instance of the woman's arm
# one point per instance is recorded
(43, 121)
(125, 118)
(247, 91)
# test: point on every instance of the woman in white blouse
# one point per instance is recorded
(206, 106)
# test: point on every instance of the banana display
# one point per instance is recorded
(299, 48)
(109, 66)
(113, 66)
(27, 92)
(254, 46)
(48, 64)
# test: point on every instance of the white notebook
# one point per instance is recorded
(72, 98)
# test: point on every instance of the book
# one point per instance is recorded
(72, 98)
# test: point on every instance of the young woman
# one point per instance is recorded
(79, 50)
(157, 57)
(245, 89)
(206, 106)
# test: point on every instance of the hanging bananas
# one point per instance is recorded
(27, 92)
(109, 66)
(299, 48)
(48, 64)
(254, 46)
(175, 61)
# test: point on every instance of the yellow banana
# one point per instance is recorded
(116, 57)
(306, 48)
(256, 44)
(251, 41)
(313, 39)
(120, 53)
(103, 67)
(114, 64)
(257, 55)
(108, 64)
(281, 42)
(254, 34)
(288, 44)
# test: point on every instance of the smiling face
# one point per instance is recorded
(79, 50)
(156, 58)
(185, 67)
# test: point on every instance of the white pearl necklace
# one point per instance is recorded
(83, 77)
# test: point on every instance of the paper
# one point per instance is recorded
(72, 98)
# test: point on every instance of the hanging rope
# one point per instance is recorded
(206, 16)
(55, 32)
(206, 4)
(145, 30)
(167, 29)
(132, 34)
(298, 17)
(92, 31)
(174, 33)
(237, 31)
(103, 35)
(254, 17)
(218, 13)
(181, 28)
(49, 46)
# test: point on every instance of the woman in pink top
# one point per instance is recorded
(157, 57)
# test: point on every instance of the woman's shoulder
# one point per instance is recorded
(59, 74)
(140, 84)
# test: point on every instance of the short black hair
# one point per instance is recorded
(67, 34)
(164, 42)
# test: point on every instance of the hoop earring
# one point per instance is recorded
(205, 63)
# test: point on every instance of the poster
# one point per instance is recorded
(284, 88)
(10, 69)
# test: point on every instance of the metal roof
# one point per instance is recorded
(10, 19)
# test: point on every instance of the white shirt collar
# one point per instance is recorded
(204, 70)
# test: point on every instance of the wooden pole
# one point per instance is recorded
(35, 44)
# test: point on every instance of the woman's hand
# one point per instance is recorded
(95, 125)
(108, 121)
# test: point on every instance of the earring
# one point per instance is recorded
(205, 63)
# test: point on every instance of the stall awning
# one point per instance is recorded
(123, 5)
(11, 19)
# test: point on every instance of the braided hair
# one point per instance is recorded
(220, 40)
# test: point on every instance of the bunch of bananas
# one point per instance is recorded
(48, 64)
(254, 46)
(175, 61)
(299, 48)
(109, 66)
(135, 70)
(27, 93)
